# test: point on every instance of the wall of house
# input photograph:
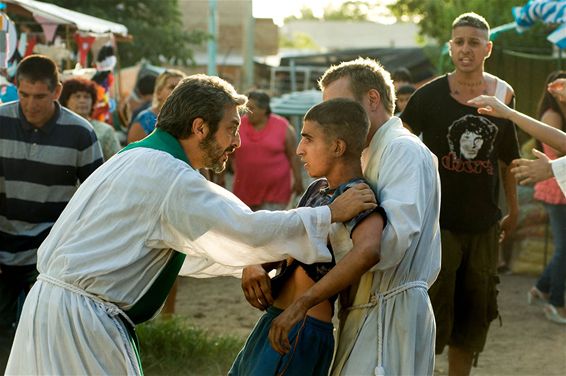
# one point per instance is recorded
(231, 17)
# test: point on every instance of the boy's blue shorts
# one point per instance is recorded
(312, 347)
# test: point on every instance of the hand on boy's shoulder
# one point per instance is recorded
(357, 199)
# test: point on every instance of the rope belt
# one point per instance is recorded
(379, 299)
(110, 308)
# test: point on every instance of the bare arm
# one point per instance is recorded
(554, 120)
(365, 253)
(493, 107)
(290, 151)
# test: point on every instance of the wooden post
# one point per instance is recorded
(68, 64)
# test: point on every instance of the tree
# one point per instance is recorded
(435, 19)
(298, 41)
(346, 11)
(155, 25)
(304, 14)
(435, 16)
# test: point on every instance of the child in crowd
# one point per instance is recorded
(403, 95)
(295, 335)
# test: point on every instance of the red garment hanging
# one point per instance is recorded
(84, 43)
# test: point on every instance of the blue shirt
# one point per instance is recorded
(147, 120)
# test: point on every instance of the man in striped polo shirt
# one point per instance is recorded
(45, 152)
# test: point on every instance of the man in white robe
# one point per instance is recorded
(111, 258)
(386, 320)
(388, 326)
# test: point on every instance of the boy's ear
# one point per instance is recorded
(489, 48)
(200, 128)
(340, 147)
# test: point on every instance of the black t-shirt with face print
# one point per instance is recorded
(468, 147)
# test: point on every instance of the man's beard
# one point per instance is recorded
(213, 154)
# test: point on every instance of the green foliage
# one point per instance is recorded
(435, 16)
(173, 347)
(435, 19)
(304, 14)
(155, 25)
(346, 11)
(299, 40)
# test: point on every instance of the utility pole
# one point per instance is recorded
(213, 38)
(248, 47)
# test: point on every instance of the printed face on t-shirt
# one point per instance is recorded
(470, 144)
(471, 141)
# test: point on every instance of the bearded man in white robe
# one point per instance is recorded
(146, 214)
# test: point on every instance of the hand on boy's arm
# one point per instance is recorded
(281, 326)
(365, 253)
(256, 285)
(355, 200)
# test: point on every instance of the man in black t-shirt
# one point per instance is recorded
(473, 150)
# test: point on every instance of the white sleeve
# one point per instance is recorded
(408, 183)
(559, 171)
(212, 226)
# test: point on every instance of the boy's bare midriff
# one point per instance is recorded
(296, 286)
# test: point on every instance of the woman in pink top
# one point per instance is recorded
(264, 162)
(550, 285)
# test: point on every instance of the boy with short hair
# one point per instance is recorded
(332, 139)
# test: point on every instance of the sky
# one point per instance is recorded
(279, 9)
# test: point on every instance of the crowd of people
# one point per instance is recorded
(94, 235)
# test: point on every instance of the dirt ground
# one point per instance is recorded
(526, 344)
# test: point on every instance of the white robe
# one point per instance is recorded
(116, 235)
(559, 170)
(404, 174)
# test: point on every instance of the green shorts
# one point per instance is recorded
(464, 296)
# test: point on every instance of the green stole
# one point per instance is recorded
(146, 307)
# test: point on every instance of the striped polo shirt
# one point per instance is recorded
(40, 170)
